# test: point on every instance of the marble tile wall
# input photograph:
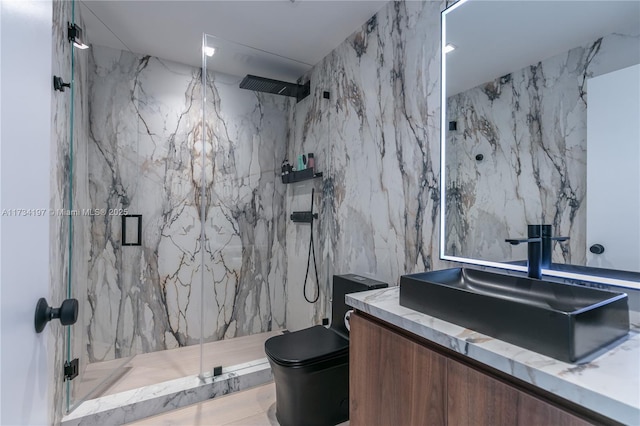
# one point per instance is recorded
(533, 171)
(310, 131)
(375, 139)
(245, 222)
(145, 157)
(377, 142)
(386, 149)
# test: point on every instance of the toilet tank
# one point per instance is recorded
(344, 284)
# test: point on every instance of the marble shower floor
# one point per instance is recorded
(156, 367)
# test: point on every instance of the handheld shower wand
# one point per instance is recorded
(312, 250)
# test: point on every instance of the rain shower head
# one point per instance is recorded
(267, 85)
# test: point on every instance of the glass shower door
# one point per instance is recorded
(142, 249)
(243, 210)
(246, 203)
(89, 221)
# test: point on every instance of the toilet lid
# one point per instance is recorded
(306, 346)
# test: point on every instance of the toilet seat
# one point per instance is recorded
(308, 346)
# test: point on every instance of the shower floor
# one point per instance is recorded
(156, 367)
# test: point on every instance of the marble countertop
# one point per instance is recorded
(608, 383)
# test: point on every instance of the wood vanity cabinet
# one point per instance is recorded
(398, 380)
(393, 380)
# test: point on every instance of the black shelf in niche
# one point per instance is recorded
(300, 175)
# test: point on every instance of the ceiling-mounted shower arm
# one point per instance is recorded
(277, 87)
(303, 91)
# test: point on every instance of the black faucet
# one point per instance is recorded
(539, 250)
(547, 239)
(534, 250)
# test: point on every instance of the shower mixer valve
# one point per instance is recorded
(304, 217)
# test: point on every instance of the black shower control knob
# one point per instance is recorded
(597, 249)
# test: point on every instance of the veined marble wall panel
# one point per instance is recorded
(310, 132)
(114, 177)
(146, 157)
(375, 139)
(379, 212)
(531, 128)
(387, 152)
(245, 257)
(69, 165)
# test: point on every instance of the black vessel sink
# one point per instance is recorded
(566, 322)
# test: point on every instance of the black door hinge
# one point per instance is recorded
(71, 369)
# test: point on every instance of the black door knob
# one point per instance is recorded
(67, 313)
(597, 249)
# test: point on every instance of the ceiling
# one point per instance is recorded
(278, 39)
(282, 39)
(494, 38)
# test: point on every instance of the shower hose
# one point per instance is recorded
(312, 250)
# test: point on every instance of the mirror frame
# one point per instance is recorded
(443, 102)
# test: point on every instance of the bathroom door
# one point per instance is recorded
(613, 169)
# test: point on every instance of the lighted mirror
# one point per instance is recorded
(540, 107)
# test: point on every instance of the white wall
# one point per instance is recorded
(25, 133)
(613, 169)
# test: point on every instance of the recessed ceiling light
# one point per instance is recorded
(449, 48)
(209, 51)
